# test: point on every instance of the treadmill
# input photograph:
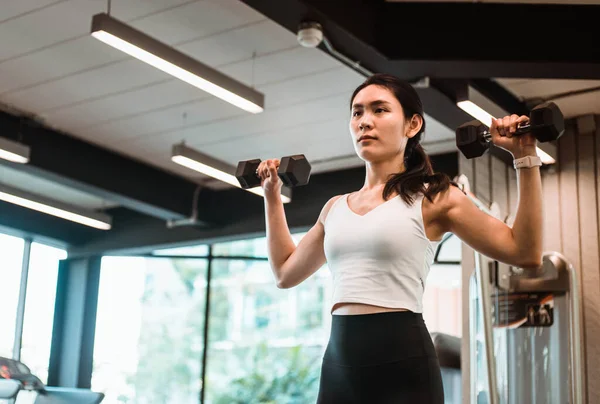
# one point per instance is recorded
(15, 377)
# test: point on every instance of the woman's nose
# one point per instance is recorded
(364, 125)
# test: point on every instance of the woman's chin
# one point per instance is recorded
(368, 155)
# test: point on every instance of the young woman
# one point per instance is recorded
(380, 240)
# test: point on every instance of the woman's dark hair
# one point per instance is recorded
(417, 163)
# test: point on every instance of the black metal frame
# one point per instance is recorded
(206, 324)
(61, 333)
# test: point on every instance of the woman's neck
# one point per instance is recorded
(378, 174)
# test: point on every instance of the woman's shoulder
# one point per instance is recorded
(327, 207)
(442, 202)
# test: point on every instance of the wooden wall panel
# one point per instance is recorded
(568, 198)
(513, 191)
(482, 178)
(466, 167)
(569, 206)
(499, 192)
(551, 206)
(468, 266)
(590, 260)
(593, 361)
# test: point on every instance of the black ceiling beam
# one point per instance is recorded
(231, 212)
(481, 40)
(43, 228)
(61, 158)
(464, 40)
(149, 196)
(244, 213)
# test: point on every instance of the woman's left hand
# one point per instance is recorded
(503, 135)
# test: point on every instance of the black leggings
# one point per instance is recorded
(380, 358)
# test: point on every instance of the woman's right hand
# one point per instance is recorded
(269, 180)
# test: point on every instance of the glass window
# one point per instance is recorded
(254, 247)
(265, 343)
(11, 262)
(150, 330)
(39, 308)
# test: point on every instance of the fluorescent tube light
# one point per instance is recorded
(207, 165)
(166, 58)
(14, 151)
(54, 208)
(476, 111)
(483, 109)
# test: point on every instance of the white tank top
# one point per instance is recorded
(381, 258)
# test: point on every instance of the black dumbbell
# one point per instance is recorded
(546, 123)
(294, 171)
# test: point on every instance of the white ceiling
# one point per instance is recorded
(51, 67)
(541, 90)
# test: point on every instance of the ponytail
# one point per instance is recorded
(418, 172)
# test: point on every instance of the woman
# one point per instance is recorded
(379, 243)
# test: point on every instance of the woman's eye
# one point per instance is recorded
(379, 110)
(355, 113)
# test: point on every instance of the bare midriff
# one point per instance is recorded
(360, 308)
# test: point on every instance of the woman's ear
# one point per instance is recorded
(414, 125)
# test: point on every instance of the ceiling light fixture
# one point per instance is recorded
(483, 109)
(166, 58)
(55, 208)
(14, 151)
(200, 162)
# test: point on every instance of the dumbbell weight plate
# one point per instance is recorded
(549, 121)
(469, 139)
(294, 170)
(246, 173)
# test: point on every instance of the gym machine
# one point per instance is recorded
(16, 380)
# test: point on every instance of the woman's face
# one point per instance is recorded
(378, 126)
